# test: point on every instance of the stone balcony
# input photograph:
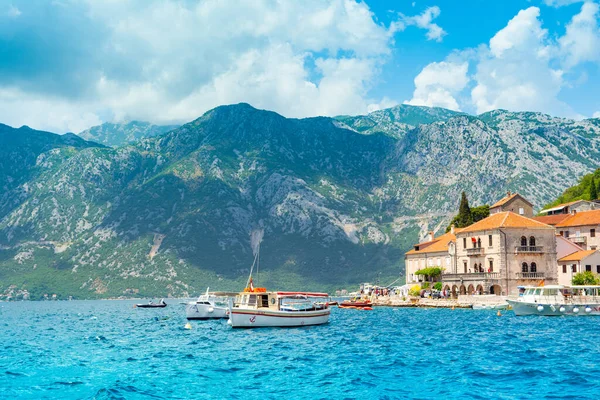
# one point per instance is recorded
(475, 252)
(529, 249)
(474, 276)
(579, 240)
(531, 275)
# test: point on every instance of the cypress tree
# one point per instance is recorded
(464, 212)
(593, 190)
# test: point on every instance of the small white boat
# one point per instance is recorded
(501, 306)
(557, 300)
(255, 308)
(208, 306)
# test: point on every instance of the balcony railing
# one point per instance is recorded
(475, 251)
(531, 275)
(474, 276)
(578, 240)
(529, 249)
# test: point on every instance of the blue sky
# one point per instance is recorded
(66, 65)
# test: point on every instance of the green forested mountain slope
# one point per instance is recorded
(336, 205)
(587, 188)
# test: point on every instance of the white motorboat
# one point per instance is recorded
(557, 300)
(208, 306)
(255, 307)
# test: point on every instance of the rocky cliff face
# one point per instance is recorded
(337, 203)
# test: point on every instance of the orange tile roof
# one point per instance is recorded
(439, 244)
(581, 218)
(504, 200)
(505, 219)
(551, 219)
(577, 256)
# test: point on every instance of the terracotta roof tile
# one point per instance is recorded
(577, 256)
(551, 219)
(504, 200)
(581, 218)
(505, 219)
(439, 244)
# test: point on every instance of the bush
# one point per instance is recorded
(438, 286)
(585, 278)
(415, 291)
(425, 285)
(432, 272)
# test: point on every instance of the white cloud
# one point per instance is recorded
(438, 84)
(13, 12)
(514, 71)
(53, 114)
(581, 41)
(521, 69)
(170, 61)
(596, 114)
(386, 102)
(560, 3)
(425, 21)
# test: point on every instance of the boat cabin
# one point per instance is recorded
(562, 292)
(279, 301)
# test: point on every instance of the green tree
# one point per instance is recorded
(480, 212)
(585, 278)
(430, 272)
(593, 190)
(476, 214)
(465, 218)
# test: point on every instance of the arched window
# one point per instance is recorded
(523, 241)
(532, 241)
(533, 267)
(524, 267)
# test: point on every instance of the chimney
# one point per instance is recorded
(452, 229)
(431, 236)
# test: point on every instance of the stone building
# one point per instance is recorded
(501, 252)
(581, 228)
(515, 203)
(568, 208)
(580, 261)
(432, 253)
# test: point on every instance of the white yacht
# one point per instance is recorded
(557, 300)
(209, 306)
(255, 307)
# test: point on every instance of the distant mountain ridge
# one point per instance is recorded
(118, 134)
(338, 200)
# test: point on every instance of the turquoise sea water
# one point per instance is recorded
(109, 350)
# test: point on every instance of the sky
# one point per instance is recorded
(66, 65)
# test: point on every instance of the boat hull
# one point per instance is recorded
(262, 319)
(522, 308)
(150, 305)
(205, 311)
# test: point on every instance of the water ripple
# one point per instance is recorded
(109, 350)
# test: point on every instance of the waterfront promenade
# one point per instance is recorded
(466, 301)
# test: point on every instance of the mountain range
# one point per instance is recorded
(336, 201)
